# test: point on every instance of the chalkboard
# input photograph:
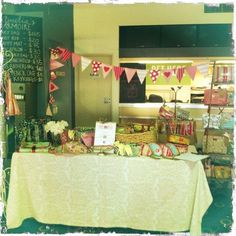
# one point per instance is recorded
(22, 35)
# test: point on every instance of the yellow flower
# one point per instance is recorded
(71, 134)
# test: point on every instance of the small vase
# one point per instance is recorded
(54, 140)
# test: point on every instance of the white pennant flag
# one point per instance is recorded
(129, 73)
(203, 69)
(141, 75)
(85, 62)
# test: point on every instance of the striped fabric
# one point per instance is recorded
(64, 54)
(180, 73)
(224, 74)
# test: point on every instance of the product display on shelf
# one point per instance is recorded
(218, 137)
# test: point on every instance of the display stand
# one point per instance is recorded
(220, 161)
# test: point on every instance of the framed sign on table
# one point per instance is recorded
(104, 139)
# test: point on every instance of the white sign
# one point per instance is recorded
(105, 133)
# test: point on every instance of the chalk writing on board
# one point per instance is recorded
(22, 35)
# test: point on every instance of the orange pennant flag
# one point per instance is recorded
(130, 73)
(55, 65)
(191, 70)
(75, 59)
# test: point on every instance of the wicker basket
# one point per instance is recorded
(145, 137)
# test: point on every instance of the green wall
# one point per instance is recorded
(57, 31)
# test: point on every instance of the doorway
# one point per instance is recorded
(93, 94)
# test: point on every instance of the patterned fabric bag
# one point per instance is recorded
(215, 97)
(156, 149)
(182, 114)
(166, 151)
(222, 172)
(146, 150)
(165, 112)
(214, 121)
(215, 144)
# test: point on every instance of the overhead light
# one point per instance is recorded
(164, 61)
(226, 62)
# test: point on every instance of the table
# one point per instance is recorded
(108, 191)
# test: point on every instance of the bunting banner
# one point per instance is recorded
(60, 55)
(118, 71)
(180, 73)
(168, 74)
(96, 65)
(52, 87)
(154, 74)
(141, 75)
(75, 59)
(191, 70)
(55, 64)
(63, 54)
(106, 69)
(129, 73)
(85, 62)
(203, 69)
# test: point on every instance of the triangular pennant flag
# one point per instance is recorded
(118, 71)
(129, 73)
(48, 111)
(105, 69)
(85, 62)
(51, 99)
(141, 75)
(75, 59)
(203, 68)
(55, 65)
(52, 87)
(154, 75)
(96, 65)
(180, 73)
(52, 75)
(168, 73)
(191, 70)
(64, 54)
(54, 54)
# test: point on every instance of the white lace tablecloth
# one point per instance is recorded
(108, 191)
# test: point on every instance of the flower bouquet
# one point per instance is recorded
(55, 129)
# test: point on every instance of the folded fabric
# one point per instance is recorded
(36, 145)
(33, 150)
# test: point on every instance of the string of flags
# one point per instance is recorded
(59, 56)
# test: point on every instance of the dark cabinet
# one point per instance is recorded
(178, 36)
(139, 36)
(214, 35)
(176, 40)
